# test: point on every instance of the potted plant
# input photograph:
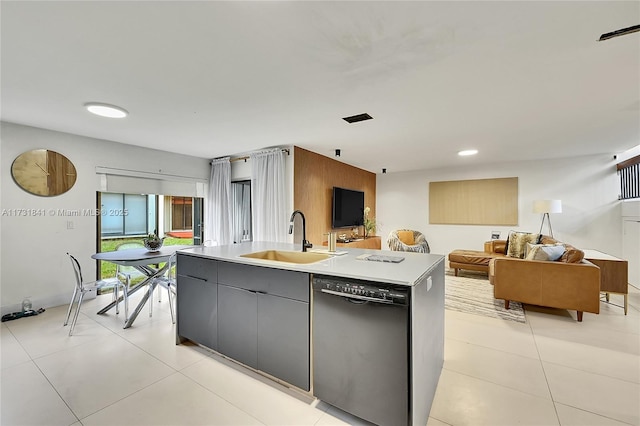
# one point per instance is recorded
(152, 242)
(369, 223)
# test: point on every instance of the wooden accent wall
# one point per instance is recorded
(314, 177)
(474, 202)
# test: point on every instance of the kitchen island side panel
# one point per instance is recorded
(427, 341)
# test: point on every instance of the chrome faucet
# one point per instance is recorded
(305, 244)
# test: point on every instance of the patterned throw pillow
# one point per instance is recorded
(550, 252)
(518, 243)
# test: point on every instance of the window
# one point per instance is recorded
(125, 214)
(181, 213)
(629, 173)
(241, 204)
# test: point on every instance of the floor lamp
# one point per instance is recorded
(545, 207)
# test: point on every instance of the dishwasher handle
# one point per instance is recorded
(354, 297)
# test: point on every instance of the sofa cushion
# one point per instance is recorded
(571, 254)
(550, 252)
(471, 257)
(406, 237)
(517, 243)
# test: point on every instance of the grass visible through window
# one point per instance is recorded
(108, 269)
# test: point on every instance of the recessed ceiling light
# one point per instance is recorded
(467, 152)
(106, 110)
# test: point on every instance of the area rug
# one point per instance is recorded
(471, 293)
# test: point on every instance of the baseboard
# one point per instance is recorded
(44, 302)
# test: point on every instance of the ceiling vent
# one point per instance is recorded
(356, 118)
(619, 33)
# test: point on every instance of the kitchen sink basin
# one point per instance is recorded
(287, 256)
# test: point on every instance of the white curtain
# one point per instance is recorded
(218, 216)
(268, 198)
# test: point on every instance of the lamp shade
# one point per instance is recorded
(547, 206)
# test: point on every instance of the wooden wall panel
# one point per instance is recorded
(474, 202)
(314, 177)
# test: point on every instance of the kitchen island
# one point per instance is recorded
(365, 336)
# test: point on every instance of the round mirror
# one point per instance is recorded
(43, 172)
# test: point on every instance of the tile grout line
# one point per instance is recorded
(56, 391)
(33, 361)
(126, 396)
(491, 348)
(179, 371)
(544, 372)
(498, 384)
(575, 369)
(220, 396)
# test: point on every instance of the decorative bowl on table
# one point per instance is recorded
(153, 243)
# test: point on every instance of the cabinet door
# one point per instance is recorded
(198, 267)
(197, 303)
(279, 282)
(283, 339)
(238, 324)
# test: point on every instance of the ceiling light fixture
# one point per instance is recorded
(106, 110)
(356, 118)
(467, 152)
(618, 33)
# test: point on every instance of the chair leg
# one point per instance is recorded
(75, 317)
(506, 304)
(171, 308)
(73, 299)
(116, 295)
(125, 292)
(580, 316)
(150, 301)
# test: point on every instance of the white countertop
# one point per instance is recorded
(408, 272)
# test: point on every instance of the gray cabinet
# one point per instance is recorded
(238, 324)
(197, 301)
(283, 339)
(263, 320)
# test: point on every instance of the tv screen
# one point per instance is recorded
(348, 208)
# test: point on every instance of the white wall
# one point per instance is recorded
(33, 259)
(588, 187)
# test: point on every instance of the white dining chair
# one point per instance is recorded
(167, 281)
(81, 288)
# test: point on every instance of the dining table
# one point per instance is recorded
(145, 261)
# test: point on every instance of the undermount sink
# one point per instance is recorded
(287, 256)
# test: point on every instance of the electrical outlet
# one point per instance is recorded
(70, 224)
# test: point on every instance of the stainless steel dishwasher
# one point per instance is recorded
(361, 348)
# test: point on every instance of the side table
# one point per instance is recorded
(613, 274)
(372, 242)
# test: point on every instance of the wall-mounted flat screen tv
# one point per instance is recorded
(348, 208)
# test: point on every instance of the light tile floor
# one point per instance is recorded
(550, 371)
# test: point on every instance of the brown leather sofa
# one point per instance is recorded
(568, 283)
(474, 260)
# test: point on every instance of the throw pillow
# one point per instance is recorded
(572, 254)
(406, 237)
(506, 245)
(518, 242)
(549, 252)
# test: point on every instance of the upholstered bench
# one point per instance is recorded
(471, 260)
